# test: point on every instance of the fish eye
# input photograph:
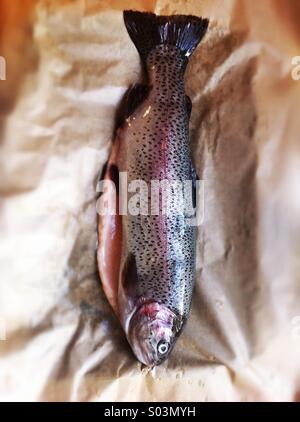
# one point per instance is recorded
(163, 347)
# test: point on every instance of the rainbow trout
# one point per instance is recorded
(146, 259)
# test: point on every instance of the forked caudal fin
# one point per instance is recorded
(148, 31)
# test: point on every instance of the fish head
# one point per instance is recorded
(152, 333)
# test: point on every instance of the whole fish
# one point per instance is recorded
(147, 260)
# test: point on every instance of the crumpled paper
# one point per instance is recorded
(68, 64)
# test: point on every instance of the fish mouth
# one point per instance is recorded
(151, 323)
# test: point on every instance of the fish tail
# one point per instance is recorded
(148, 31)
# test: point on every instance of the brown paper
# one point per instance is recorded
(68, 64)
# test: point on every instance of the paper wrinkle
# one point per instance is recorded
(57, 117)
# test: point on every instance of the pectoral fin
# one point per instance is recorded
(130, 275)
(110, 238)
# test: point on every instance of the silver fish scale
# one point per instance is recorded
(158, 148)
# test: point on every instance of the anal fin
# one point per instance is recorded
(189, 106)
(133, 97)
